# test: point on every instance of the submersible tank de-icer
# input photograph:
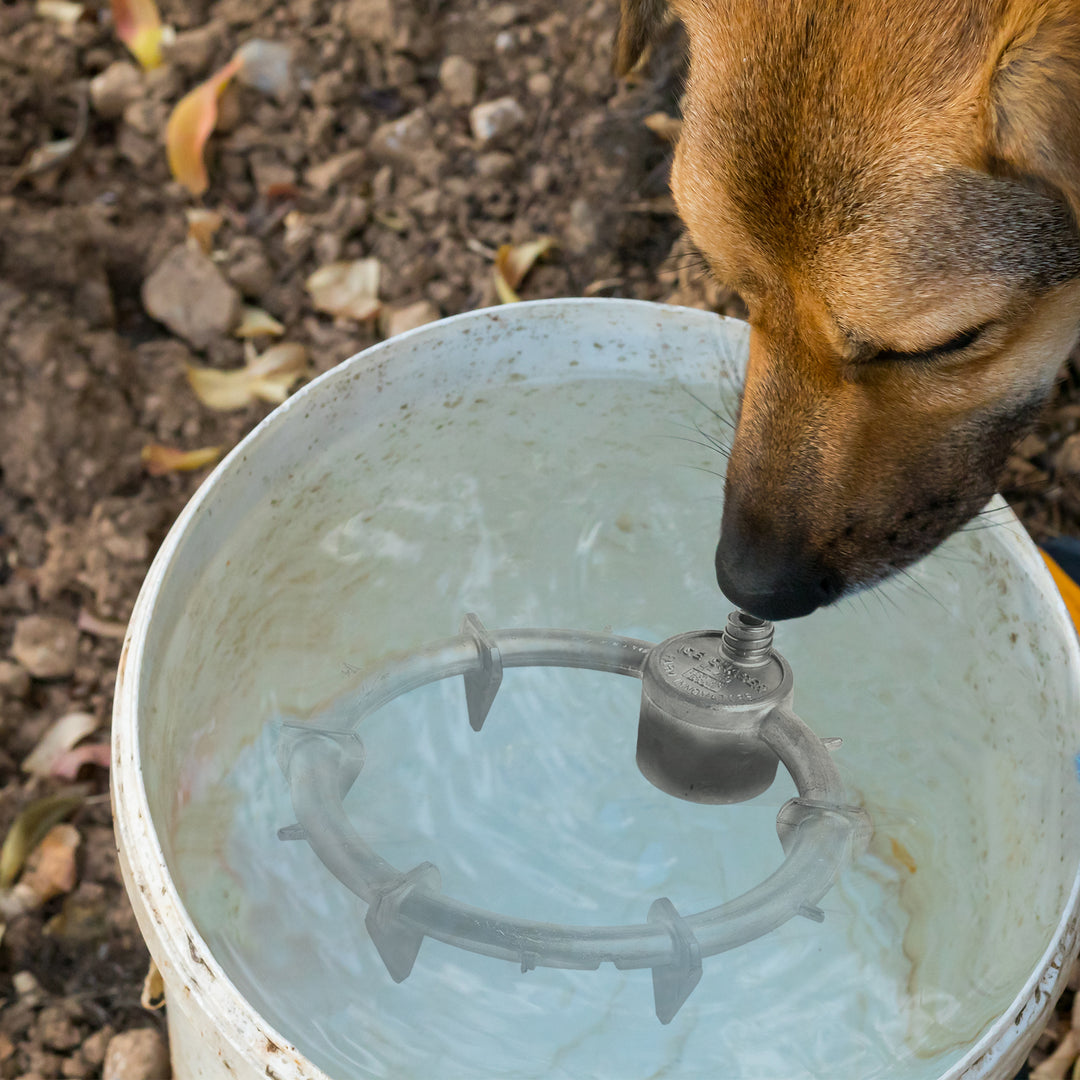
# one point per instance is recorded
(714, 724)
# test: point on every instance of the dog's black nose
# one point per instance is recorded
(772, 580)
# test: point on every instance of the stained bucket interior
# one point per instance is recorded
(542, 466)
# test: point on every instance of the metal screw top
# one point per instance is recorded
(747, 640)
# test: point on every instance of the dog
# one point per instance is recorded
(893, 188)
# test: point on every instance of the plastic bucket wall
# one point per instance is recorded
(163, 726)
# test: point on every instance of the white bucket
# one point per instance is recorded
(494, 470)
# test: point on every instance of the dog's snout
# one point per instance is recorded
(772, 580)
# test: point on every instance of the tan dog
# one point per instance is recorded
(893, 187)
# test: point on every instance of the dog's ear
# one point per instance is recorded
(640, 24)
(1035, 103)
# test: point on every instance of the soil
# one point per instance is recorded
(371, 150)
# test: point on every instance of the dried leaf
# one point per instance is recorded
(100, 627)
(513, 262)
(1057, 1065)
(50, 870)
(67, 765)
(348, 289)
(264, 65)
(60, 737)
(1070, 591)
(664, 126)
(153, 989)
(267, 378)
(254, 322)
(138, 26)
(160, 460)
(52, 154)
(390, 220)
(202, 226)
(28, 828)
(64, 12)
(190, 125)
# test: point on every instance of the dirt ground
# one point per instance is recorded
(370, 149)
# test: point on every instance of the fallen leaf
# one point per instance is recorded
(664, 126)
(67, 765)
(160, 460)
(264, 65)
(50, 870)
(30, 825)
(265, 377)
(254, 322)
(202, 226)
(347, 289)
(513, 262)
(138, 26)
(390, 220)
(153, 989)
(52, 154)
(64, 12)
(59, 738)
(100, 627)
(1057, 1065)
(190, 124)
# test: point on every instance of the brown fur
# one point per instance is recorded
(877, 178)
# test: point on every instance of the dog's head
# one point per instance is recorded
(893, 188)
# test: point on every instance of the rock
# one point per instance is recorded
(372, 20)
(193, 50)
(56, 1030)
(582, 232)
(93, 1049)
(401, 139)
(328, 174)
(459, 79)
(136, 1055)
(495, 165)
(268, 171)
(26, 985)
(46, 646)
(115, 89)
(14, 680)
(494, 120)
(1067, 459)
(540, 84)
(189, 294)
(398, 320)
(248, 268)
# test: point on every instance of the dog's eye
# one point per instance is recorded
(957, 343)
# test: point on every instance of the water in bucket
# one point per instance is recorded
(555, 500)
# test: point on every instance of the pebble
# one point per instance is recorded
(14, 680)
(136, 1055)
(248, 268)
(189, 294)
(93, 1049)
(400, 139)
(1067, 459)
(56, 1030)
(115, 89)
(25, 985)
(328, 174)
(495, 165)
(459, 78)
(493, 120)
(193, 50)
(46, 646)
(540, 84)
(372, 20)
(397, 321)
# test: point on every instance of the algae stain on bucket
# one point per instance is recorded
(563, 499)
